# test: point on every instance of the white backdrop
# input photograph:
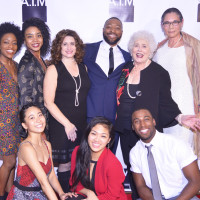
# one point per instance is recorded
(87, 17)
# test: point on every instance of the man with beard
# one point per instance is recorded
(102, 95)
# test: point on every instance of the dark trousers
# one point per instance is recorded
(128, 139)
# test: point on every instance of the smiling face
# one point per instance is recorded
(144, 125)
(172, 31)
(34, 120)
(141, 51)
(68, 47)
(98, 138)
(112, 31)
(8, 46)
(33, 39)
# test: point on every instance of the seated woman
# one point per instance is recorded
(95, 171)
(36, 178)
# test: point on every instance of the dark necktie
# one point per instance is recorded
(153, 174)
(111, 61)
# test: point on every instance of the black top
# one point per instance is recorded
(153, 93)
(93, 175)
(65, 100)
(30, 80)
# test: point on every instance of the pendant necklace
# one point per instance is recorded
(77, 89)
(138, 93)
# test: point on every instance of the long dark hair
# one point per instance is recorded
(83, 156)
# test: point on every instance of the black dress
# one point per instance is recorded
(65, 100)
(153, 93)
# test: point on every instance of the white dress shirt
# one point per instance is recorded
(170, 155)
(103, 57)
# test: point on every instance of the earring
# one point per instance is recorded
(108, 145)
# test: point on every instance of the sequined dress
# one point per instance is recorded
(26, 185)
(9, 113)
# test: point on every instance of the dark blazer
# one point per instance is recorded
(101, 99)
(109, 176)
(30, 80)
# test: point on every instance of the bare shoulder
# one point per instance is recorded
(26, 146)
(48, 144)
(51, 72)
(51, 67)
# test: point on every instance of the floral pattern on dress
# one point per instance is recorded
(120, 87)
(9, 113)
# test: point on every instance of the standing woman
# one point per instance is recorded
(179, 54)
(10, 43)
(32, 67)
(66, 86)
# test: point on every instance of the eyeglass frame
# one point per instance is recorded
(174, 23)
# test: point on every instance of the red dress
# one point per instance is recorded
(26, 185)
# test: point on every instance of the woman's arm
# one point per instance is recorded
(28, 155)
(50, 85)
(89, 193)
(26, 82)
(115, 178)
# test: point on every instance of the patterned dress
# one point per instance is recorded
(26, 185)
(9, 113)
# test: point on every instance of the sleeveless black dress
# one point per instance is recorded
(65, 100)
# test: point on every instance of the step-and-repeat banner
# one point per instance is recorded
(87, 18)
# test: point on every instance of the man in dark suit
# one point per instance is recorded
(102, 95)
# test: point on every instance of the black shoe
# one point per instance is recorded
(2, 198)
(5, 195)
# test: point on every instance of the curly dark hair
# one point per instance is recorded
(40, 24)
(8, 27)
(57, 42)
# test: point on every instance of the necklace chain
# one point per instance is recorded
(177, 42)
(77, 89)
(146, 64)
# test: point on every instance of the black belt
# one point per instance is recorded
(24, 188)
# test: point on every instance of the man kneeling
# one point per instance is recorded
(163, 167)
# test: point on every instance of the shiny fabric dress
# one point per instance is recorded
(26, 185)
(9, 113)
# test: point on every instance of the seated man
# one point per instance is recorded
(162, 166)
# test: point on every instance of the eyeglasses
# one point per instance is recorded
(174, 23)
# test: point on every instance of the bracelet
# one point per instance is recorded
(179, 118)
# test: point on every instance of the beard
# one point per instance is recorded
(111, 42)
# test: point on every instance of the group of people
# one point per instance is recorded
(75, 105)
